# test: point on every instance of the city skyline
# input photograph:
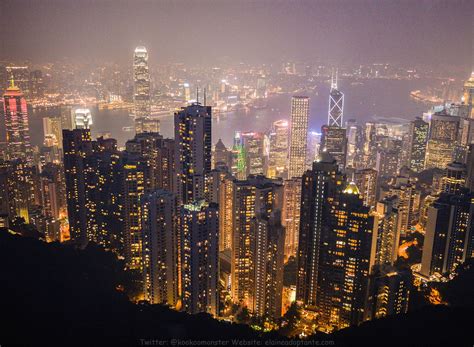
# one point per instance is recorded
(292, 199)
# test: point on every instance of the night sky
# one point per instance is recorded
(352, 31)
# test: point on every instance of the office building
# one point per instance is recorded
(334, 142)
(141, 90)
(418, 137)
(298, 135)
(336, 105)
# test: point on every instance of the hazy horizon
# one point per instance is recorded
(402, 32)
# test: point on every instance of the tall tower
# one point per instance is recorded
(192, 127)
(336, 105)
(278, 153)
(16, 124)
(298, 135)
(141, 93)
(334, 141)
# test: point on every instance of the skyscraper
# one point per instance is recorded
(336, 105)
(253, 143)
(16, 124)
(448, 237)
(77, 145)
(418, 138)
(268, 237)
(345, 260)
(387, 230)
(442, 140)
(160, 247)
(334, 141)
(291, 214)
(298, 135)
(141, 94)
(255, 197)
(389, 292)
(93, 176)
(192, 126)
(199, 238)
(320, 187)
(278, 154)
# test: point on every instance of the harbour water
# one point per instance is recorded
(373, 99)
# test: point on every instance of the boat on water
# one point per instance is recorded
(128, 129)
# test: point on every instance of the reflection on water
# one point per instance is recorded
(363, 102)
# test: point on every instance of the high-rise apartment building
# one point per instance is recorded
(278, 153)
(320, 187)
(160, 247)
(291, 215)
(255, 197)
(298, 135)
(193, 152)
(199, 237)
(448, 237)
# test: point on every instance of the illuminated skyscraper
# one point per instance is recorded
(468, 95)
(298, 135)
(418, 138)
(278, 154)
(93, 176)
(77, 145)
(141, 94)
(253, 143)
(82, 118)
(448, 237)
(336, 105)
(291, 214)
(256, 196)
(268, 237)
(334, 141)
(160, 248)
(320, 187)
(345, 260)
(443, 137)
(16, 124)
(192, 126)
(199, 237)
